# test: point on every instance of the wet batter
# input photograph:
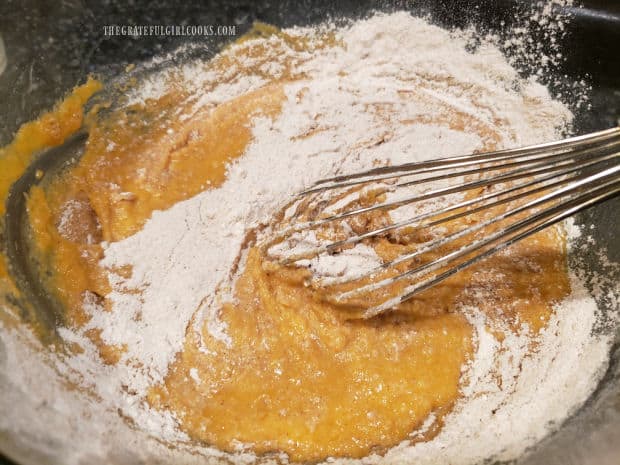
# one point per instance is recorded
(299, 377)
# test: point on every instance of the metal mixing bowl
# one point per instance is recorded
(51, 46)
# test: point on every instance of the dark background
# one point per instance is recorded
(52, 45)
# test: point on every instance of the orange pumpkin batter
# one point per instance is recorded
(299, 376)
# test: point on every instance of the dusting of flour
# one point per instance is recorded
(184, 255)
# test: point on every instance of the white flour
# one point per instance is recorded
(184, 254)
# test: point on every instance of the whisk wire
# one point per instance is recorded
(560, 212)
(555, 180)
(580, 142)
(416, 220)
(572, 189)
(541, 167)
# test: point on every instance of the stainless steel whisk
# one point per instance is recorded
(552, 180)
